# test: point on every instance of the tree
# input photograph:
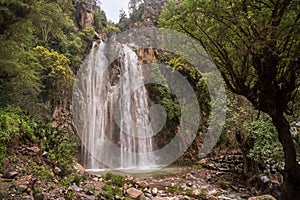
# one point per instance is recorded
(256, 47)
(24, 25)
(100, 20)
(49, 21)
(133, 5)
(19, 83)
(56, 75)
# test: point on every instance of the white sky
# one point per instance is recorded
(112, 8)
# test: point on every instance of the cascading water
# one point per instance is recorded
(113, 112)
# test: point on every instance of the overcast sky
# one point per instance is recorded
(112, 8)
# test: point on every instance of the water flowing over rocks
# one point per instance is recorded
(111, 114)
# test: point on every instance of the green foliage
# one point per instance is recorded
(113, 186)
(255, 45)
(267, 149)
(198, 166)
(100, 20)
(40, 171)
(17, 126)
(69, 194)
(14, 125)
(23, 73)
(136, 11)
(239, 111)
(56, 74)
(115, 179)
(36, 190)
(110, 191)
(65, 182)
(86, 34)
(164, 97)
(14, 11)
(19, 82)
(110, 29)
(49, 21)
(61, 146)
(77, 179)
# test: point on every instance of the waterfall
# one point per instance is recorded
(112, 112)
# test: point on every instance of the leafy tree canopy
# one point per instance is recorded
(255, 45)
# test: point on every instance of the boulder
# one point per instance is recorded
(263, 181)
(10, 175)
(79, 168)
(22, 188)
(142, 184)
(135, 194)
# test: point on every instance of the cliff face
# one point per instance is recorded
(152, 10)
(85, 14)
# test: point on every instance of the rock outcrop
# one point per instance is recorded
(152, 10)
(85, 14)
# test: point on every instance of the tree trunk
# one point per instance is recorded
(291, 173)
(250, 166)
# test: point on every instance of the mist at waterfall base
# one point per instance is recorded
(113, 113)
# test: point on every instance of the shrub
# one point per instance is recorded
(267, 149)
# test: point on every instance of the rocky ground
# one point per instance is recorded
(30, 177)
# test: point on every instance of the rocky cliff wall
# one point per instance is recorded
(85, 14)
